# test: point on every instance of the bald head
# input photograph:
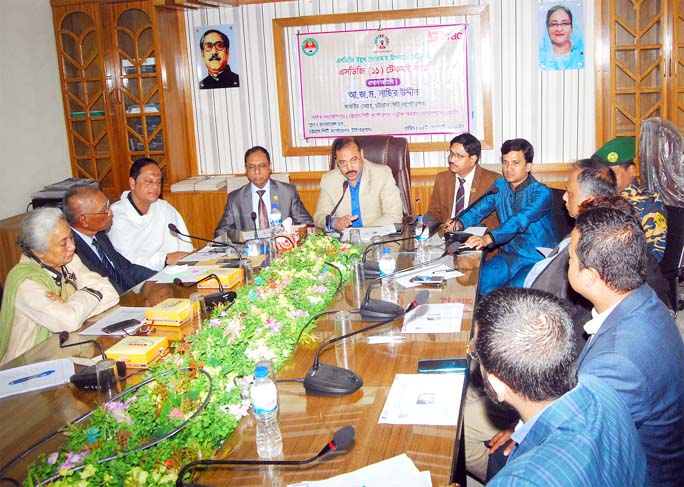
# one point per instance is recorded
(86, 208)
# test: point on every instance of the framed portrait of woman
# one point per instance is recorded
(561, 43)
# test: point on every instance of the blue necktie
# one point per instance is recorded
(109, 267)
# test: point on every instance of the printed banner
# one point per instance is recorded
(398, 81)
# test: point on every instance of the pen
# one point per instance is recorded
(444, 271)
(34, 376)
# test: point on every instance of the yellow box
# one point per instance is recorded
(229, 278)
(138, 352)
(171, 309)
(175, 332)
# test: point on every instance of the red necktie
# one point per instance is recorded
(263, 214)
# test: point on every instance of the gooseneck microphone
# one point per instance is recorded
(174, 229)
(86, 378)
(492, 190)
(328, 217)
(340, 443)
(371, 268)
(253, 216)
(214, 299)
(329, 380)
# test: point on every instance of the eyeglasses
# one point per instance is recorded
(456, 155)
(562, 25)
(104, 211)
(472, 353)
(220, 46)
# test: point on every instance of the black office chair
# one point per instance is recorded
(671, 264)
(564, 222)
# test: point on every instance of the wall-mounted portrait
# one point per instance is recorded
(219, 56)
(561, 45)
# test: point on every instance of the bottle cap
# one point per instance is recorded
(274, 206)
(260, 372)
(386, 250)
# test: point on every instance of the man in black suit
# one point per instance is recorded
(86, 208)
(259, 195)
(215, 50)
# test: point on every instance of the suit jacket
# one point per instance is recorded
(638, 350)
(442, 199)
(131, 274)
(236, 214)
(379, 196)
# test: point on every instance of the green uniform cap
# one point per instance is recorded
(619, 150)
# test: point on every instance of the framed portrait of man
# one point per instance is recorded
(561, 44)
(218, 61)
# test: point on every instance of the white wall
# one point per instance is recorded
(33, 144)
(554, 110)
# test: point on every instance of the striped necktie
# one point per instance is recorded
(263, 214)
(109, 267)
(460, 197)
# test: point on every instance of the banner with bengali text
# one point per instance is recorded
(399, 81)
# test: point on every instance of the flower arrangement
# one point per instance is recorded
(263, 323)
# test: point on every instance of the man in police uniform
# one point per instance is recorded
(618, 153)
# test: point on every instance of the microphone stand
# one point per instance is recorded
(328, 217)
(372, 268)
(214, 299)
(174, 229)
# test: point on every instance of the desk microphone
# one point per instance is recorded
(214, 299)
(462, 236)
(328, 380)
(253, 216)
(174, 229)
(372, 268)
(86, 378)
(328, 217)
(340, 443)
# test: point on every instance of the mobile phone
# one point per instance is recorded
(436, 281)
(444, 365)
(121, 325)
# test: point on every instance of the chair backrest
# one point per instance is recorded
(671, 262)
(564, 222)
(393, 152)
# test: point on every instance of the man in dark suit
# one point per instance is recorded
(463, 183)
(259, 195)
(86, 208)
(215, 51)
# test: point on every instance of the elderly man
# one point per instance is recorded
(635, 344)
(215, 51)
(86, 209)
(140, 226)
(525, 210)
(619, 153)
(573, 433)
(463, 183)
(49, 290)
(372, 198)
(259, 195)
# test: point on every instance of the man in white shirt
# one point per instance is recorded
(140, 226)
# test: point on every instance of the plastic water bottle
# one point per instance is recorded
(275, 219)
(387, 266)
(421, 246)
(269, 441)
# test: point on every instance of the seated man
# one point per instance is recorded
(573, 433)
(462, 184)
(86, 209)
(635, 345)
(258, 195)
(140, 227)
(618, 153)
(373, 198)
(525, 210)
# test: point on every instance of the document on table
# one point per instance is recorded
(369, 232)
(35, 376)
(119, 314)
(434, 318)
(428, 399)
(186, 273)
(207, 253)
(399, 471)
(439, 270)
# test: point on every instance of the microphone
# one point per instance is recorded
(86, 378)
(328, 217)
(329, 380)
(372, 268)
(462, 236)
(214, 299)
(174, 229)
(340, 443)
(253, 216)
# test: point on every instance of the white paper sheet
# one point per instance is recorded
(399, 471)
(207, 253)
(429, 399)
(119, 314)
(545, 251)
(369, 232)
(441, 270)
(479, 231)
(185, 273)
(434, 318)
(56, 372)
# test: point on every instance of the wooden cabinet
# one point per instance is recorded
(124, 74)
(639, 65)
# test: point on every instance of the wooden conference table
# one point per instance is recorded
(307, 423)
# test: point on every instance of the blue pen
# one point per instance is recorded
(34, 376)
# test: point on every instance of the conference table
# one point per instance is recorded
(307, 423)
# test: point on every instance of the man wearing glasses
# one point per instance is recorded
(86, 209)
(463, 183)
(215, 49)
(369, 198)
(140, 227)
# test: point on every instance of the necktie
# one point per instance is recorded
(460, 195)
(263, 214)
(109, 267)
